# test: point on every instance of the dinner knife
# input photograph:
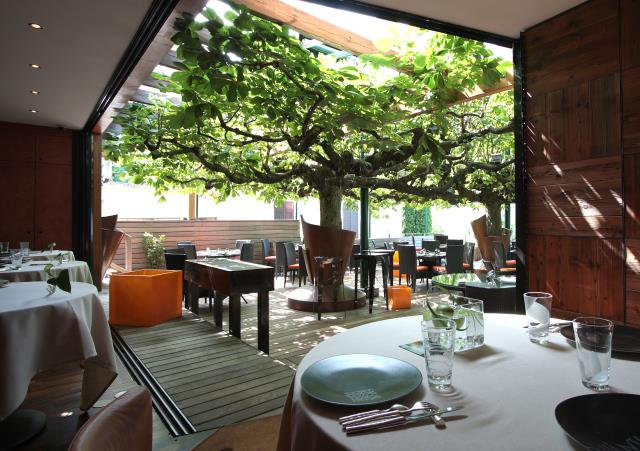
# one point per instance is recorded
(397, 420)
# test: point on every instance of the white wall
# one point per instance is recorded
(139, 201)
(241, 207)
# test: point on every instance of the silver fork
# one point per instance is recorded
(420, 405)
(362, 415)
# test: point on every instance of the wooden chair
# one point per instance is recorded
(111, 240)
(408, 265)
(122, 425)
(333, 244)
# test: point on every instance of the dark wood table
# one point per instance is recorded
(231, 278)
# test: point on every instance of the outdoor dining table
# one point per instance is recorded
(509, 388)
(231, 278)
(33, 271)
(370, 258)
(41, 331)
(498, 296)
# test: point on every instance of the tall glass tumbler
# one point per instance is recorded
(537, 306)
(593, 342)
(439, 335)
(24, 248)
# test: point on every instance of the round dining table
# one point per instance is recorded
(40, 331)
(33, 271)
(509, 388)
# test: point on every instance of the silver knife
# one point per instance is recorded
(397, 420)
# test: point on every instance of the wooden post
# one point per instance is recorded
(192, 206)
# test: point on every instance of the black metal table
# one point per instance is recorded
(232, 278)
(370, 258)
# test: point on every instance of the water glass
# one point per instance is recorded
(469, 320)
(593, 342)
(16, 260)
(24, 248)
(4, 247)
(537, 306)
(438, 336)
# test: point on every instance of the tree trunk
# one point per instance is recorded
(494, 219)
(330, 207)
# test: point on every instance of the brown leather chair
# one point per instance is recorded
(124, 424)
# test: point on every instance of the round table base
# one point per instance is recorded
(20, 426)
(303, 300)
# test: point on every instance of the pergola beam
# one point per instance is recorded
(305, 23)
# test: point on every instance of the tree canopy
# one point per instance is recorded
(261, 114)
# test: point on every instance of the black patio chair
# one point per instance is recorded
(174, 260)
(441, 239)
(292, 265)
(408, 265)
(467, 261)
(454, 261)
(246, 252)
(302, 270)
(455, 242)
(269, 258)
(189, 249)
(430, 245)
(239, 243)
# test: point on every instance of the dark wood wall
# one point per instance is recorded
(35, 185)
(581, 75)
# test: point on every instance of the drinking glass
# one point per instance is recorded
(469, 319)
(537, 306)
(4, 247)
(593, 342)
(16, 260)
(24, 248)
(438, 336)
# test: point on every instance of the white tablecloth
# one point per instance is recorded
(34, 272)
(46, 255)
(39, 332)
(510, 389)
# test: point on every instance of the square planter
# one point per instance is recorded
(145, 298)
(399, 297)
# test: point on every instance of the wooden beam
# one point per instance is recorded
(160, 46)
(307, 24)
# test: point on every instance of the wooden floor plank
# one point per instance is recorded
(217, 379)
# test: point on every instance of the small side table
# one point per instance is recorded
(371, 258)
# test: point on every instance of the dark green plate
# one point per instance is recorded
(360, 379)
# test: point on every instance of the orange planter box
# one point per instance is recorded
(145, 298)
(399, 297)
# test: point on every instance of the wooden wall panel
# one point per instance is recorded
(630, 42)
(573, 154)
(35, 165)
(578, 46)
(206, 233)
(631, 110)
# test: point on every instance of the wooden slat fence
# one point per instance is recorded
(204, 233)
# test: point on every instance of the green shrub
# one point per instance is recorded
(153, 250)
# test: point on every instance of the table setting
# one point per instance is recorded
(456, 377)
(218, 253)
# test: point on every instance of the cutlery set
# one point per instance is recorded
(394, 416)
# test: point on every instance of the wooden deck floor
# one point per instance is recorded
(217, 379)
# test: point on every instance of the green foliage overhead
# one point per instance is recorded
(261, 114)
(416, 221)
